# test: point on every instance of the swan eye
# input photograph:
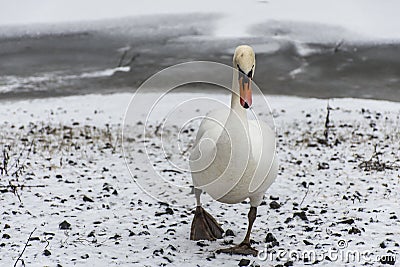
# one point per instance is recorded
(250, 74)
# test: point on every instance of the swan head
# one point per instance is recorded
(244, 60)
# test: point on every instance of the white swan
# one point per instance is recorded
(233, 158)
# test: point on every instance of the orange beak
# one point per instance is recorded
(245, 91)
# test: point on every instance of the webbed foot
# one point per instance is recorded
(204, 226)
(241, 249)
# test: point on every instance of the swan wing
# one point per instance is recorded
(263, 148)
(204, 149)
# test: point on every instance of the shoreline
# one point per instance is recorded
(192, 90)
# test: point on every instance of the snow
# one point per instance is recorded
(72, 146)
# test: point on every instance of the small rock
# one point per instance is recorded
(49, 233)
(354, 230)
(168, 259)
(288, 220)
(244, 262)
(347, 221)
(86, 256)
(308, 229)
(116, 236)
(6, 236)
(201, 244)
(91, 234)
(144, 233)
(87, 199)
(171, 247)
(270, 238)
(288, 263)
(323, 166)
(274, 205)
(302, 215)
(168, 211)
(229, 232)
(157, 252)
(308, 243)
(64, 225)
(46, 252)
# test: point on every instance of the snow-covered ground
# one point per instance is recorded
(336, 196)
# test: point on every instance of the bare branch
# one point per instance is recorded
(134, 56)
(121, 60)
(337, 46)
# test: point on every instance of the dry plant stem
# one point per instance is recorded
(20, 155)
(308, 189)
(326, 131)
(6, 157)
(26, 244)
(15, 190)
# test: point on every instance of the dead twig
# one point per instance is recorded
(337, 46)
(26, 244)
(133, 58)
(308, 189)
(6, 158)
(327, 121)
(20, 155)
(121, 60)
(14, 190)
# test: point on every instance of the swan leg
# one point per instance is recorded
(204, 226)
(244, 248)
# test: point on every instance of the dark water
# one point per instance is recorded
(48, 60)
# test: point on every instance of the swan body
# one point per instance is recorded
(233, 158)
